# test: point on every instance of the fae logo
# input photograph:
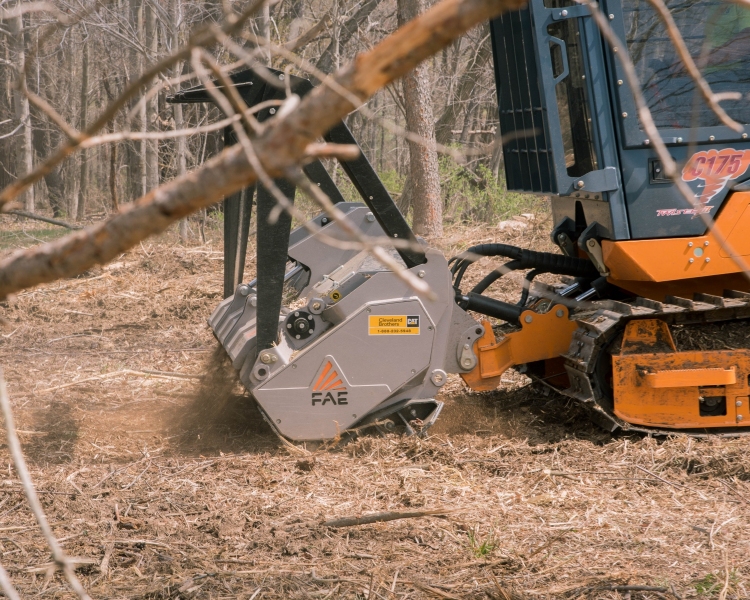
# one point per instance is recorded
(329, 387)
(715, 168)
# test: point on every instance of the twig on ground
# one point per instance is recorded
(104, 565)
(141, 373)
(677, 485)
(19, 462)
(725, 589)
(382, 517)
(28, 215)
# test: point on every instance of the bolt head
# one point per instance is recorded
(564, 13)
(272, 111)
(528, 318)
(580, 183)
(316, 306)
(738, 403)
(421, 274)
(691, 260)
(559, 313)
(265, 358)
(244, 290)
(467, 362)
(739, 417)
(708, 260)
(611, 17)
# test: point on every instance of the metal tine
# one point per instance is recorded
(650, 304)
(711, 299)
(678, 301)
(737, 295)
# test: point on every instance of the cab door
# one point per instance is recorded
(712, 157)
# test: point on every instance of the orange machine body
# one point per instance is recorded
(683, 266)
(655, 385)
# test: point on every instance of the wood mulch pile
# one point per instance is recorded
(159, 475)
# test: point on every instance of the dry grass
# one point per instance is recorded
(176, 488)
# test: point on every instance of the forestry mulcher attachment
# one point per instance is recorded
(646, 328)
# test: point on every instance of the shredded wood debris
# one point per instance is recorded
(173, 487)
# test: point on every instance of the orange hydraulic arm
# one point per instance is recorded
(542, 336)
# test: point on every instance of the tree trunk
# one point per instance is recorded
(136, 15)
(181, 145)
(462, 94)
(327, 60)
(152, 106)
(113, 176)
(25, 149)
(427, 205)
(83, 184)
(496, 161)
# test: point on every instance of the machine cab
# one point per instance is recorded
(570, 125)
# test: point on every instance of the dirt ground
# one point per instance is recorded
(169, 484)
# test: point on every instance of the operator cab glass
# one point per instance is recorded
(717, 35)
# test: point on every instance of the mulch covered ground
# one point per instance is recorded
(161, 477)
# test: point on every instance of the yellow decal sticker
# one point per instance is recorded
(393, 325)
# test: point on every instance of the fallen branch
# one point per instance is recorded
(142, 373)
(282, 145)
(677, 485)
(19, 462)
(28, 215)
(382, 517)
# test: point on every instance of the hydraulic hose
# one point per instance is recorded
(490, 307)
(493, 276)
(527, 285)
(521, 259)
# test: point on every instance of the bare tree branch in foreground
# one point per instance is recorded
(7, 586)
(22, 470)
(282, 145)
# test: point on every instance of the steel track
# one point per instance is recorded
(586, 361)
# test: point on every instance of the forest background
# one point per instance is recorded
(81, 68)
